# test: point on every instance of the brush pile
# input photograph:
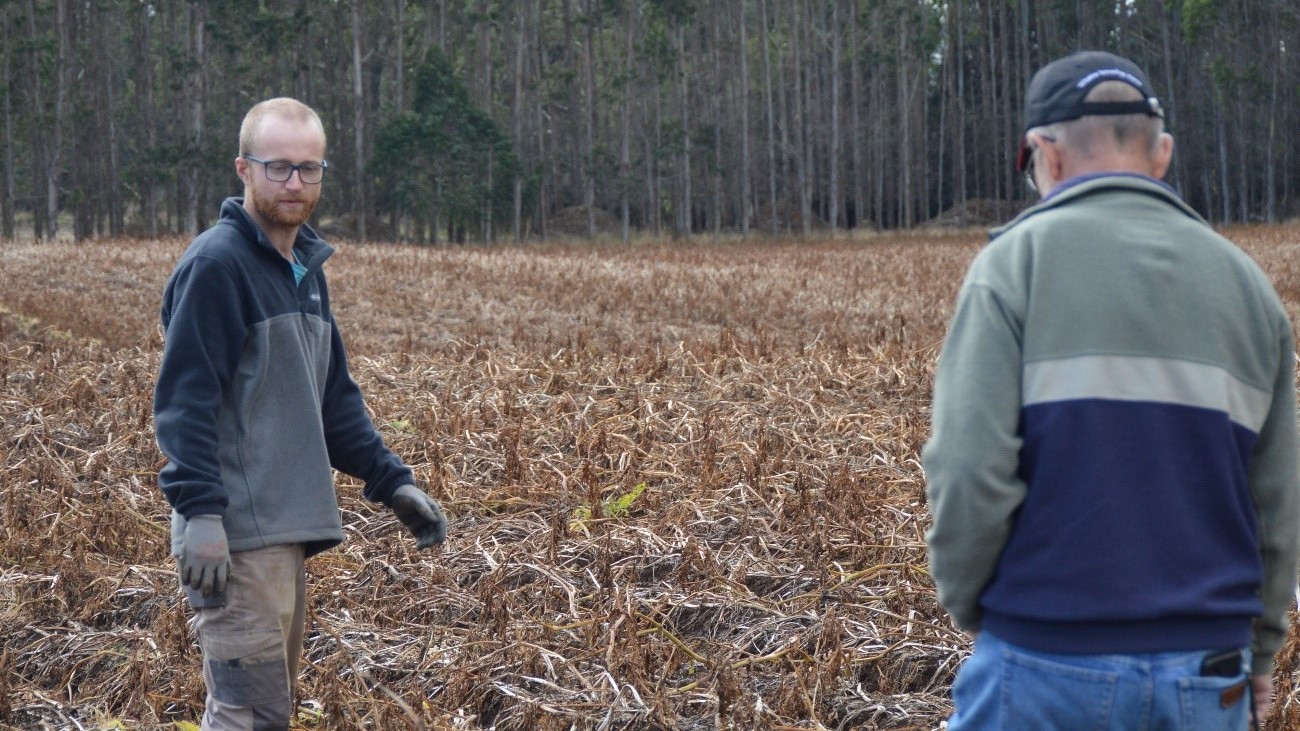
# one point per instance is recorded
(684, 486)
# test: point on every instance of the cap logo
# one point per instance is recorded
(1124, 76)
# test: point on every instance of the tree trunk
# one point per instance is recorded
(40, 144)
(1270, 152)
(8, 199)
(396, 215)
(516, 132)
(855, 103)
(942, 129)
(684, 217)
(195, 32)
(833, 159)
(488, 102)
(1170, 94)
(487, 203)
(571, 179)
(543, 128)
(807, 63)
(771, 117)
(986, 182)
(905, 212)
(878, 143)
(442, 25)
(144, 79)
(107, 113)
(399, 65)
(746, 195)
(799, 122)
(715, 169)
(84, 204)
(625, 145)
(358, 125)
(1225, 192)
(1243, 162)
(589, 141)
(55, 158)
(960, 123)
(652, 166)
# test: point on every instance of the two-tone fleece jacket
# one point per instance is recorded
(1112, 464)
(254, 403)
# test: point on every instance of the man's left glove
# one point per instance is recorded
(421, 515)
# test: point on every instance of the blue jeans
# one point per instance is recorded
(1002, 687)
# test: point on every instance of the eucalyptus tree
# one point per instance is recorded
(121, 115)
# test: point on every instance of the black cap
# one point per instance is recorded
(1057, 91)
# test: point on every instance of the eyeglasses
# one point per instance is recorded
(1028, 170)
(1025, 160)
(279, 171)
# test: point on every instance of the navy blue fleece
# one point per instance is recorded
(254, 402)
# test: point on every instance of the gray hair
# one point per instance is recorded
(1121, 130)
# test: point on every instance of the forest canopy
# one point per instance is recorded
(491, 119)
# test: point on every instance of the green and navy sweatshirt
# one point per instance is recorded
(254, 404)
(1112, 464)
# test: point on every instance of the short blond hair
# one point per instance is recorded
(283, 107)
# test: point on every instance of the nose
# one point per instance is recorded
(295, 179)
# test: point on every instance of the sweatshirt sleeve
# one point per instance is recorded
(355, 446)
(1273, 486)
(972, 456)
(204, 336)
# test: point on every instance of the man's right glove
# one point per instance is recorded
(205, 557)
(421, 515)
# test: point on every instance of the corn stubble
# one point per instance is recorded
(771, 398)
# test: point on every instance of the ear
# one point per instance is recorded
(1163, 157)
(241, 169)
(1051, 160)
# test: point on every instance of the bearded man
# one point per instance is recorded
(253, 407)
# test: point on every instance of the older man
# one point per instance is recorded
(253, 407)
(1112, 467)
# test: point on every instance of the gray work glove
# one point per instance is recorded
(205, 557)
(421, 515)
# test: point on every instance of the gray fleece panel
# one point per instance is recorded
(274, 463)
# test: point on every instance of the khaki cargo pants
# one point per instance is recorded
(251, 640)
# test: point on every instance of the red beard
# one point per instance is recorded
(271, 210)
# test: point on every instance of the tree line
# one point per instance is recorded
(492, 119)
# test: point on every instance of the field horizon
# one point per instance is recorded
(683, 482)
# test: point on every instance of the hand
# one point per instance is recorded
(1261, 692)
(421, 515)
(205, 557)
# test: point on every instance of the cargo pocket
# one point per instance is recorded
(247, 667)
(198, 601)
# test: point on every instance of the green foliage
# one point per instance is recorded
(673, 11)
(1199, 16)
(445, 156)
(310, 717)
(619, 506)
(611, 507)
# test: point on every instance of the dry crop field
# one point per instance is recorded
(771, 399)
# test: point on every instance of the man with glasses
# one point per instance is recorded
(253, 407)
(1112, 463)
